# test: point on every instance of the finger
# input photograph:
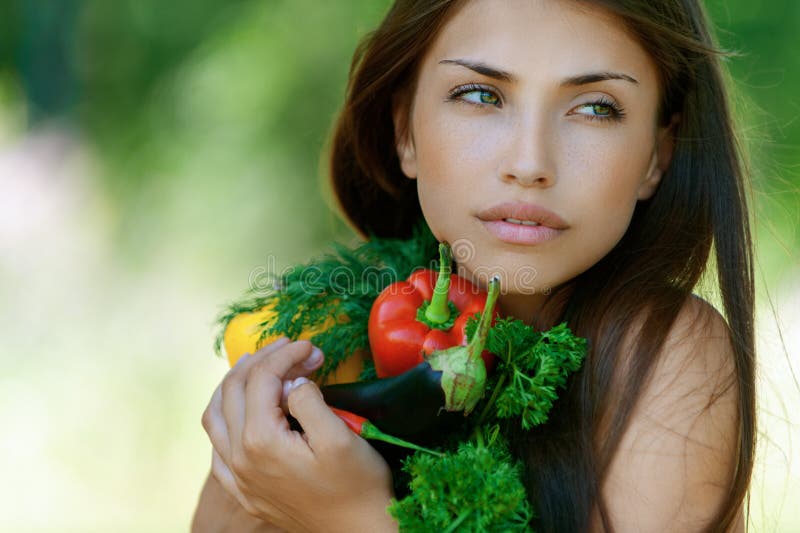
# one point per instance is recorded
(232, 403)
(307, 366)
(263, 389)
(233, 395)
(266, 429)
(302, 370)
(272, 346)
(287, 357)
(214, 424)
(248, 359)
(323, 429)
(285, 390)
(288, 385)
(223, 474)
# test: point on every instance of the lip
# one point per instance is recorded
(550, 225)
(523, 211)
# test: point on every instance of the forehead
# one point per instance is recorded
(543, 38)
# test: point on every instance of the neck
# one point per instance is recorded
(520, 305)
(525, 307)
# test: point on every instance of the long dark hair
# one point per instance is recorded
(699, 208)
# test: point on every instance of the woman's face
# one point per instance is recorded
(532, 112)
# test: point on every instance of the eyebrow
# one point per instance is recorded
(573, 81)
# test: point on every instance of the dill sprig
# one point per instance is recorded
(339, 285)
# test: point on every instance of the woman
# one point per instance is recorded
(590, 141)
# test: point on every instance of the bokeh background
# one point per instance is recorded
(153, 155)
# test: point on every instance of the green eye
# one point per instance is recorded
(475, 94)
(481, 97)
(598, 109)
(601, 109)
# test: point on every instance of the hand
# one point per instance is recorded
(324, 479)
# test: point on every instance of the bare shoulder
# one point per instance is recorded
(677, 457)
(699, 340)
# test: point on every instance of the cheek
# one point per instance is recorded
(606, 173)
(453, 162)
(448, 148)
(604, 189)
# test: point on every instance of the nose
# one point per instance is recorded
(529, 158)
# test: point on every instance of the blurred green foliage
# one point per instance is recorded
(276, 68)
(232, 101)
(765, 69)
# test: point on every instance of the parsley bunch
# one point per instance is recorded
(476, 488)
(532, 366)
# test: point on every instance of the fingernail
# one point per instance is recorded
(296, 383)
(287, 387)
(314, 359)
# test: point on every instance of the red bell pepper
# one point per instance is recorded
(428, 311)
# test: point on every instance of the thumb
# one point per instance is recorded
(322, 427)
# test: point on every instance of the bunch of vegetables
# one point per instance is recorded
(476, 485)
(423, 347)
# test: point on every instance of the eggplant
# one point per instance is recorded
(408, 405)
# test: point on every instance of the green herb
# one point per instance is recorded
(368, 371)
(340, 284)
(531, 367)
(476, 488)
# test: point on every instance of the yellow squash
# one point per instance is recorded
(243, 331)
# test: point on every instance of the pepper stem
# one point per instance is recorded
(371, 431)
(478, 340)
(463, 370)
(438, 311)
